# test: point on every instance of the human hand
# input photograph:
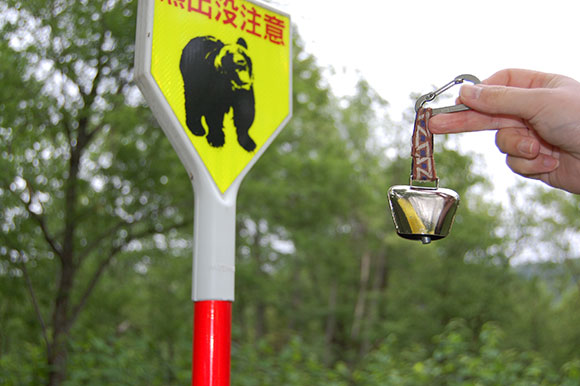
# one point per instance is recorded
(537, 118)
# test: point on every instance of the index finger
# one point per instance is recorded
(515, 77)
(471, 120)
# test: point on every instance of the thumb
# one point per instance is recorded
(492, 99)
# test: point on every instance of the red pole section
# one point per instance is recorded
(212, 327)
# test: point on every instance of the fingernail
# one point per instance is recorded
(550, 163)
(525, 146)
(470, 91)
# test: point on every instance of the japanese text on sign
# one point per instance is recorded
(242, 17)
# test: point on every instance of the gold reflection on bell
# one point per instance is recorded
(422, 213)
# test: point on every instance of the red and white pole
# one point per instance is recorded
(211, 343)
(213, 285)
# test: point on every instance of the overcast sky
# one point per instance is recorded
(410, 46)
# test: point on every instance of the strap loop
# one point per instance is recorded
(423, 165)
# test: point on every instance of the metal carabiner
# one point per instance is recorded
(433, 94)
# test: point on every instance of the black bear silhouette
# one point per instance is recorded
(218, 77)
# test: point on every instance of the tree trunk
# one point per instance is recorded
(359, 309)
(331, 321)
(296, 300)
(380, 280)
(58, 350)
(260, 323)
(61, 317)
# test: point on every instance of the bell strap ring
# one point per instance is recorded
(423, 162)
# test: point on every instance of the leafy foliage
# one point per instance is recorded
(95, 250)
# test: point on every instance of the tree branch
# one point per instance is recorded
(32, 294)
(56, 248)
(89, 97)
(66, 122)
(97, 241)
(92, 284)
(120, 87)
(105, 263)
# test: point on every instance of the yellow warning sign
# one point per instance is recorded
(224, 68)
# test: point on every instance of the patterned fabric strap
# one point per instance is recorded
(423, 167)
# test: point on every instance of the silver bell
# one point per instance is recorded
(422, 213)
(422, 210)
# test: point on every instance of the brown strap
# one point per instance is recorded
(423, 167)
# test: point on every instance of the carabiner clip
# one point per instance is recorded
(433, 94)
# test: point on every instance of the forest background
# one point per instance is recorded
(96, 217)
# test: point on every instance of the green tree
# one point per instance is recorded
(95, 250)
(459, 359)
(317, 186)
(84, 176)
